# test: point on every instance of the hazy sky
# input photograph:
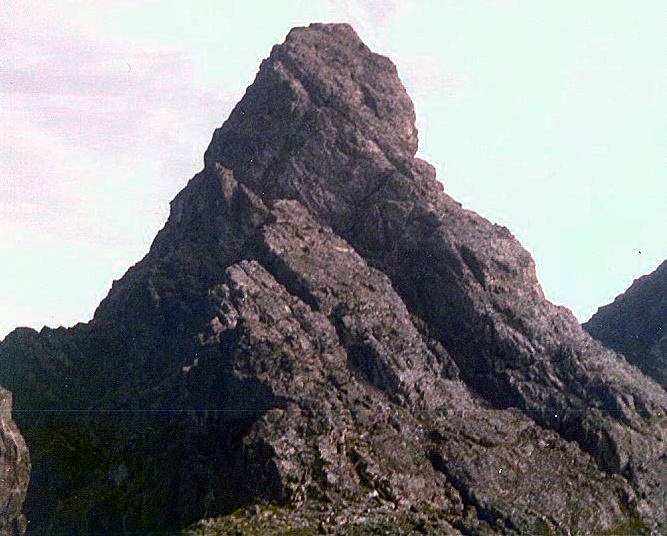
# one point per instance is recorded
(546, 117)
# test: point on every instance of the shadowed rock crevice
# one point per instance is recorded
(635, 324)
(491, 516)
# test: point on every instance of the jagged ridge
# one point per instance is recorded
(635, 324)
(332, 328)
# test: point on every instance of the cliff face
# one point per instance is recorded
(635, 324)
(14, 471)
(319, 324)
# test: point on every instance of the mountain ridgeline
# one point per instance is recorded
(320, 337)
(635, 324)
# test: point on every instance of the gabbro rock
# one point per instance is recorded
(320, 330)
(14, 471)
(635, 324)
(471, 282)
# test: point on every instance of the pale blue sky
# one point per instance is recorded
(546, 117)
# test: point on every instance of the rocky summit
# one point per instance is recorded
(320, 339)
(635, 324)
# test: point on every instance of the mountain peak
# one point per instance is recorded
(635, 324)
(321, 99)
(342, 31)
(319, 324)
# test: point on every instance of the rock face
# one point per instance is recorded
(14, 471)
(635, 324)
(320, 327)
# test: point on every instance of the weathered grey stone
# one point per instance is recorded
(318, 327)
(635, 324)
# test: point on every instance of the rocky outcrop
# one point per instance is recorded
(14, 471)
(320, 328)
(635, 324)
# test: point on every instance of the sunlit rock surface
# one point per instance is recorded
(14, 471)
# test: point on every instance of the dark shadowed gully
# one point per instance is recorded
(320, 337)
(635, 324)
(14, 471)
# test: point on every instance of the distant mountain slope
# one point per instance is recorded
(320, 328)
(635, 324)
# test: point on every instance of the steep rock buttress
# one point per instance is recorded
(14, 471)
(635, 324)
